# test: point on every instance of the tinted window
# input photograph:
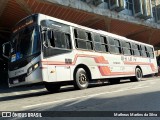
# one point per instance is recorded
(117, 43)
(82, 34)
(97, 38)
(112, 49)
(55, 25)
(128, 45)
(100, 43)
(82, 44)
(104, 48)
(144, 51)
(103, 40)
(89, 36)
(127, 48)
(117, 46)
(89, 46)
(136, 50)
(68, 41)
(114, 46)
(60, 40)
(150, 52)
(111, 41)
(83, 39)
(98, 47)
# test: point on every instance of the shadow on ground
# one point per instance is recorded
(102, 108)
(26, 92)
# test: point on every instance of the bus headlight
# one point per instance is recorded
(36, 66)
(32, 68)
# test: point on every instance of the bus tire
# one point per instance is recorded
(114, 81)
(53, 88)
(81, 79)
(138, 75)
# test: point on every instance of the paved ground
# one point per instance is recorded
(127, 96)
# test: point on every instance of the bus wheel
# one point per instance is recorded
(114, 81)
(53, 88)
(81, 79)
(138, 75)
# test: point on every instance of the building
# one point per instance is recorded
(135, 19)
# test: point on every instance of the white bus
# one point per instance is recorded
(55, 52)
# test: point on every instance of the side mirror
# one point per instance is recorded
(6, 49)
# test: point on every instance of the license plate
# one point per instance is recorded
(15, 81)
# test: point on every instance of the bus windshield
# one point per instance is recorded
(24, 43)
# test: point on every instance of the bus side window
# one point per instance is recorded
(147, 51)
(68, 41)
(136, 50)
(150, 52)
(97, 43)
(60, 40)
(111, 45)
(104, 44)
(81, 34)
(143, 50)
(89, 41)
(76, 36)
(44, 36)
(52, 39)
(83, 39)
(140, 49)
(100, 43)
(117, 46)
(75, 33)
(127, 48)
(89, 36)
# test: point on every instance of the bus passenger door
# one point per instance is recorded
(63, 73)
(58, 51)
(59, 71)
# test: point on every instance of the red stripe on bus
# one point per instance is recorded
(136, 63)
(122, 73)
(141, 63)
(101, 59)
(98, 59)
(153, 67)
(105, 71)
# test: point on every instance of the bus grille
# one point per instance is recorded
(19, 78)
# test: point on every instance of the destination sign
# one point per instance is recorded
(22, 26)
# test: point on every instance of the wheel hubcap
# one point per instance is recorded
(139, 75)
(82, 79)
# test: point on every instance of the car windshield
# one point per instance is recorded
(25, 43)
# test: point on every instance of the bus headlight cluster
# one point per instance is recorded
(32, 68)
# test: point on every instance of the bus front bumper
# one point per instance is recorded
(34, 77)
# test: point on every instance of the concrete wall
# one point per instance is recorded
(104, 11)
(157, 2)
